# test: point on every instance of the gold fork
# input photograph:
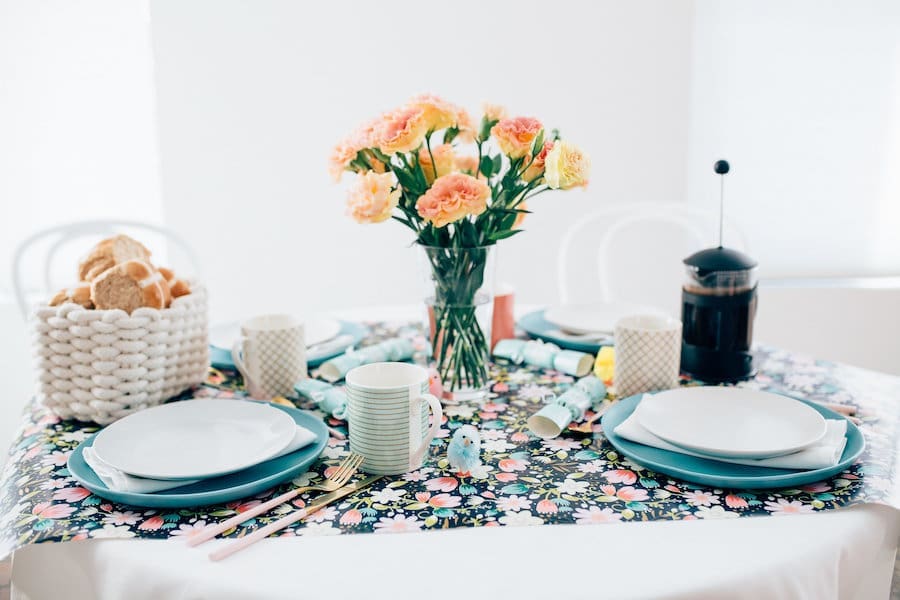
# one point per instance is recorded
(341, 476)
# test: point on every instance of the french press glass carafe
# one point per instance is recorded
(717, 312)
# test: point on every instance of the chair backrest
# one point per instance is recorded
(54, 239)
(633, 253)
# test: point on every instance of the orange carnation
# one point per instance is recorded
(515, 136)
(467, 164)
(444, 161)
(441, 114)
(453, 197)
(402, 131)
(345, 152)
(536, 168)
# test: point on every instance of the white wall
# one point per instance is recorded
(252, 96)
(77, 140)
(803, 98)
(77, 127)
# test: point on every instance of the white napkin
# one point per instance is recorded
(119, 481)
(824, 453)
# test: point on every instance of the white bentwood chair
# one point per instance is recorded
(79, 235)
(633, 253)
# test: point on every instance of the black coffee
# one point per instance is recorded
(718, 322)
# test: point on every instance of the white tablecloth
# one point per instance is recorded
(839, 554)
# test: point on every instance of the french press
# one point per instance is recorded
(717, 310)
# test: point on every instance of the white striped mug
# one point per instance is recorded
(388, 416)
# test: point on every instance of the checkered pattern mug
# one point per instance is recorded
(648, 354)
(270, 355)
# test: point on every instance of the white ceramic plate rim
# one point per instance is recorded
(116, 446)
(594, 318)
(315, 331)
(673, 415)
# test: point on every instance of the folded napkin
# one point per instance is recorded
(119, 481)
(824, 453)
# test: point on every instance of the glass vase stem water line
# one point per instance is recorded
(458, 295)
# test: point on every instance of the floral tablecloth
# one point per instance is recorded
(576, 478)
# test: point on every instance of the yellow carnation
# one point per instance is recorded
(373, 197)
(566, 166)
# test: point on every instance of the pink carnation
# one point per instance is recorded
(515, 136)
(453, 197)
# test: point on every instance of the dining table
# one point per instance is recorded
(567, 517)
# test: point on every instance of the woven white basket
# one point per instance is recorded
(100, 365)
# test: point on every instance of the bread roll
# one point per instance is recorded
(130, 285)
(109, 253)
(80, 294)
(178, 287)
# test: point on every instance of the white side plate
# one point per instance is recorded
(315, 331)
(731, 422)
(195, 439)
(594, 318)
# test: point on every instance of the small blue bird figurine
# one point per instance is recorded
(464, 451)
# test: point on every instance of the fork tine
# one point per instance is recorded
(352, 466)
(355, 461)
(346, 468)
(342, 468)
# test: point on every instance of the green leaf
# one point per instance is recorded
(498, 163)
(538, 144)
(554, 133)
(486, 166)
(502, 235)
(450, 134)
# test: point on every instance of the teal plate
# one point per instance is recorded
(217, 490)
(719, 474)
(220, 358)
(536, 326)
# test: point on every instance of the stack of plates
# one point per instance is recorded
(223, 449)
(581, 327)
(710, 430)
(325, 339)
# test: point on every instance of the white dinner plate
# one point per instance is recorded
(731, 422)
(315, 331)
(195, 439)
(594, 318)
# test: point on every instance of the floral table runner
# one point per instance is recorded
(576, 478)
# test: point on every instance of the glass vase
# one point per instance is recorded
(459, 302)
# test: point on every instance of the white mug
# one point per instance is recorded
(271, 355)
(388, 416)
(648, 354)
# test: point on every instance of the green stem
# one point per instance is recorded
(428, 145)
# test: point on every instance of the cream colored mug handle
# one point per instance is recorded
(437, 414)
(236, 351)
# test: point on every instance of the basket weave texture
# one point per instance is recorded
(100, 365)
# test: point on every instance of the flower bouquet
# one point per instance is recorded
(460, 188)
